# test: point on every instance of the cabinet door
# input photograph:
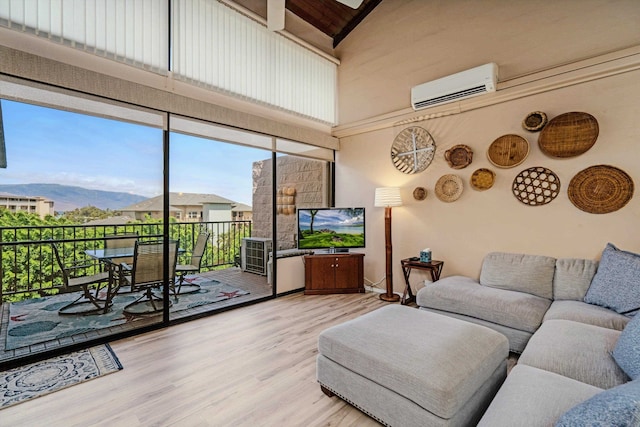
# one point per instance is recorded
(347, 272)
(322, 273)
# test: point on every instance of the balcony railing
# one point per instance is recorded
(28, 269)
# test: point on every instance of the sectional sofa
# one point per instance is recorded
(571, 320)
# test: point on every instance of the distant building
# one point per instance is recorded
(35, 205)
(191, 207)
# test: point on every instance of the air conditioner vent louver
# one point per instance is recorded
(451, 97)
(473, 82)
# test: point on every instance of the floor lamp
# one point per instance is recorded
(387, 197)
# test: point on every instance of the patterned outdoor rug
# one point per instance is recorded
(40, 378)
(37, 320)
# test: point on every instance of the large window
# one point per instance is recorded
(83, 172)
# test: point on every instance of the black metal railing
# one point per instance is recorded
(28, 268)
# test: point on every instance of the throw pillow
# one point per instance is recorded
(627, 350)
(616, 406)
(616, 284)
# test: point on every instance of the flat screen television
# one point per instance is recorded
(338, 229)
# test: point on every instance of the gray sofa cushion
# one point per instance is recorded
(575, 350)
(627, 350)
(517, 339)
(614, 407)
(590, 314)
(532, 274)
(531, 397)
(617, 281)
(572, 278)
(463, 295)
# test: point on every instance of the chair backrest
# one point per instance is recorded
(148, 263)
(112, 241)
(199, 248)
(56, 256)
(121, 241)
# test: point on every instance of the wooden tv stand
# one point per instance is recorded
(338, 273)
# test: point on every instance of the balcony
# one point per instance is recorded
(30, 277)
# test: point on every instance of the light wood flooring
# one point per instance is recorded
(252, 366)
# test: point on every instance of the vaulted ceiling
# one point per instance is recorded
(330, 17)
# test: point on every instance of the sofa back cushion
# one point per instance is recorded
(532, 274)
(572, 278)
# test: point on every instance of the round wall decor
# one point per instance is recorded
(482, 179)
(569, 135)
(534, 121)
(449, 188)
(420, 193)
(600, 189)
(412, 150)
(508, 151)
(536, 186)
(459, 156)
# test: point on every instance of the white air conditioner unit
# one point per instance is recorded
(473, 82)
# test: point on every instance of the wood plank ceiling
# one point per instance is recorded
(331, 17)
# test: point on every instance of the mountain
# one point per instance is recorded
(67, 197)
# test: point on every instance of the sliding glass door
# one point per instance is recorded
(76, 169)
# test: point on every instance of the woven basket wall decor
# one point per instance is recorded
(508, 151)
(449, 188)
(482, 179)
(535, 121)
(459, 156)
(536, 186)
(569, 135)
(600, 189)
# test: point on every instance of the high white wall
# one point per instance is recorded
(433, 39)
(462, 232)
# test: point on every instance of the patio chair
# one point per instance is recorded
(193, 267)
(120, 241)
(146, 274)
(90, 300)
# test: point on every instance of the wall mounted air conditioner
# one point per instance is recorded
(473, 82)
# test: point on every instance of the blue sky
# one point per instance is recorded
(45, 145)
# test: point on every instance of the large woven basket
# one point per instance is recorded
(569, 135)
(600, 189)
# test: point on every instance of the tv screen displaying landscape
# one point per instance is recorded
(331, 228)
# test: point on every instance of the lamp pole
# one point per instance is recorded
(389, 295)
(388, 197)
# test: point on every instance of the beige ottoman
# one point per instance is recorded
(409, 367)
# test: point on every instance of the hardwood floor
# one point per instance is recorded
(252, 366)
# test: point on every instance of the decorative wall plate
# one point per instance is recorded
(449, 188)
(508, 151)
(420, 193)
(482, 179)
(536, 186)
(459, 156)
(569, 135)
(413, 150)
(600, 189)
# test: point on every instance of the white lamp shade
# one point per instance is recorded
(387, 197)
